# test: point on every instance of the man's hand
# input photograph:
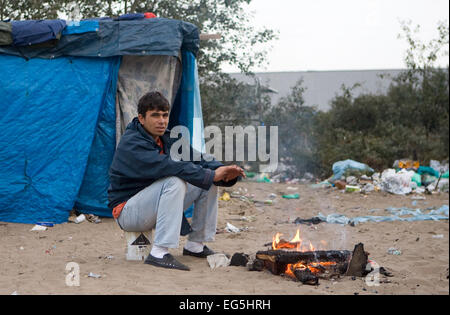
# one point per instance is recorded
(227, 173)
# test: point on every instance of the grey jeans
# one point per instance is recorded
(160, 206)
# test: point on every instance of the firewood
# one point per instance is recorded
(292, 257)
(239, 259)
(358, 263)
(256, 265)
(305, 276)
(321, 264)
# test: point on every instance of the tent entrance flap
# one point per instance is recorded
(187, 108)
(139, 75)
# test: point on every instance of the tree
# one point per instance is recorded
(421, 57)
(429, 81)
(295, 122)
(234, 103)
(29, 10)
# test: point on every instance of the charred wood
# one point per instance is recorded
(359, 261)
(287, 257)
(305, 276)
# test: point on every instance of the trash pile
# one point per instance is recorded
(405, 177)
(280, 176)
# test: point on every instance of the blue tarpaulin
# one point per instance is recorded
(187, 110)
(50, 110)
(156, 36)
(80, 27)
(58, 110)
(34, 32)
(93, 196)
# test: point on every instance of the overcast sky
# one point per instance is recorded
(343, 34)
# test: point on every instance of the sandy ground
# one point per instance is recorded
(35, 262)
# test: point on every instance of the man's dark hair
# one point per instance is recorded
(153, 101)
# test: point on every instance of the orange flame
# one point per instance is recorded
(314, 267)
(296, 238)
(296, 243)
(276, 240)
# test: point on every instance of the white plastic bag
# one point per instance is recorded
(218, 260)
(397, 183)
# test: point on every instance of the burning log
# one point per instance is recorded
(320, 264)
(291, 257)
(324, 263)
(279, 259)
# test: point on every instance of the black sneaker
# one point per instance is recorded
(168, 261)
(203, 254)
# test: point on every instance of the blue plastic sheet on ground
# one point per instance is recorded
(93, 195)
(49, 113)
(397, 214)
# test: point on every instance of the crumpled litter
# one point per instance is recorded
(368, 188)
(93, 218)
(225, 197)
(397, 213)
(352, 180)
(38, 227)
(93, 275)
(441, 168)
(218, 260)
(291, 196)
(324, 184)
(394, 251)
(442, 186)
(232, 229)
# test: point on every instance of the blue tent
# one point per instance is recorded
(61, 102)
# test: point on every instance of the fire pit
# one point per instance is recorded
(305, 264)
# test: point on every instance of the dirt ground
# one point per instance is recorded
(35, 262)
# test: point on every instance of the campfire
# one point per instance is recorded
(301, 261)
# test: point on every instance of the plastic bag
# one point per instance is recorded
(417, 179)
(339, 168)
(397, 214)
(428, 170)
(397, 183)
(441, 168)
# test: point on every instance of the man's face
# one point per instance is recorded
(155, 122)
